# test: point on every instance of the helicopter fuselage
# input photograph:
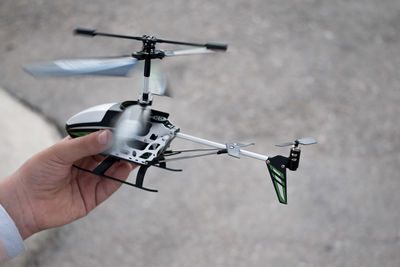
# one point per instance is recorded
(140, 148)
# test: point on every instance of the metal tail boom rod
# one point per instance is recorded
(220, 146)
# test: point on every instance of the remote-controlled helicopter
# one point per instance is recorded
(143, 135)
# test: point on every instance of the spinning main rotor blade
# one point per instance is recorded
(184, 52)
(132, 122)
(301, 141)
(111, 66)
(158, 83)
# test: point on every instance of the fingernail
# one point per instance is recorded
(103, 137)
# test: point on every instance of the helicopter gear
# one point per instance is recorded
(143, 135)
(101, 174)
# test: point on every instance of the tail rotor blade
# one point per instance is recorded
(307, 141)
(301, 141)
(285, 144)
(114, 66)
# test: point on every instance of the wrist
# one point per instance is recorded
(15, 202)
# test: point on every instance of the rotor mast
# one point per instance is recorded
(149, 45)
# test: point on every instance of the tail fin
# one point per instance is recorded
(277, 170)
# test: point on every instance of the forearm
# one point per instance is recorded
(15, 202)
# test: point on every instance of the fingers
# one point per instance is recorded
(71, 150)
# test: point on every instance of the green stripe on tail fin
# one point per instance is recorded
(277, 170)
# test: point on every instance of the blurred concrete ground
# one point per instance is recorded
(328, 69)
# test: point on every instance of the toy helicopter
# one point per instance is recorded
(143, 135)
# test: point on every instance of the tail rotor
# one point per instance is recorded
(277, 165)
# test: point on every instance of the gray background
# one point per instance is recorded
(328, 69)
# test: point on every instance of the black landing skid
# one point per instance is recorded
(160, 162)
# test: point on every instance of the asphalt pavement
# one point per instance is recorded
(328, 69)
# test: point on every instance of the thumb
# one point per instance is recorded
(71, 150)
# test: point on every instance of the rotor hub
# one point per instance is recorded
(149, 43)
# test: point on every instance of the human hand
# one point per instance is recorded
(47, 191)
